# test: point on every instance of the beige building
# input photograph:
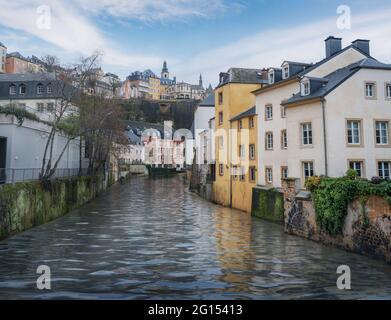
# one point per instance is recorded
(326, 118)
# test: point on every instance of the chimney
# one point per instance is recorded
(333, 45)
(363, 45)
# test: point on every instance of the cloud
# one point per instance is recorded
(70, 31)
(157, 10)
(303, 43)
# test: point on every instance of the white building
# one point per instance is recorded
(204, 112)
(325, 118)
(22, 141)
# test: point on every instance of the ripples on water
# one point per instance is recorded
(152, 239)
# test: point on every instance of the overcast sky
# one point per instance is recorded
(194, 36)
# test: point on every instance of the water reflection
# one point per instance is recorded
(152, 239)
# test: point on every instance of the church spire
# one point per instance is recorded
(200, 82)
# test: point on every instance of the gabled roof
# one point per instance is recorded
(313, 66)
(335, 79)
(209, 101)
(248, 113)
(243, 75)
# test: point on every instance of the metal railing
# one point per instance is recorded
(9, 175)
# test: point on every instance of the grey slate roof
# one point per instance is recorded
(209, 101)
(335, 79)
(243, 75)
(21, 77)
(248, 113)
(316, 65)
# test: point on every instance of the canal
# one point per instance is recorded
(152, 239)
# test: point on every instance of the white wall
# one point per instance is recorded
(201, 123)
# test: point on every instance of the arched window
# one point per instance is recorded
(49, 88)
(22, 89)
(40, 88)
(12, 89)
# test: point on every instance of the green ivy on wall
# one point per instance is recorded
(332, 196)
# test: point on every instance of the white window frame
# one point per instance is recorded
(305, 87)
(252, 151)
(12, 90)
(20, 89)
(252, 174)
(370, 84)
(269, 175)
(242, 152)
(352, 165)
(308, 166)
(271, 77)
(40, 89)
(381, 168)
(285, 71)
(269, 112)
(351, 128)
(379, 131)
(306, 127)
(269, 143)
(388, 91)
(284, 140)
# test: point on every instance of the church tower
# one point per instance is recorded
(200, 83)
(165, 73)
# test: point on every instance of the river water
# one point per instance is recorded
(152, 239)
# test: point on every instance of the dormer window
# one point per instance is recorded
(285, 71)
(49, 88)
(12, 90)
(305, 88)
(40, 88)
(22, 89)
(271, 77)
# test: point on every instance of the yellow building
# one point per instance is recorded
(233, 97)
(244, 169)
(154, 88)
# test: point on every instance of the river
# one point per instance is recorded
(153, 239)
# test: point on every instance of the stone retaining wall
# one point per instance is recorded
(30, 204)
(367, 227)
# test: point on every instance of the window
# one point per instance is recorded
(382, 132)
(358, 166)
(242, 174)
(221, 118)
(370, 90)
(308, 170)
(252, 174)
(240, 124)
(354, 132)
(269, 141)
(388, 91)
(49, 88)
(234, 172)
(271, 77)
(40, 89)
(284, 172)
(268, 112)
(22, 89)
(50, 106)
(306, 133)
(242, 152)
(283, 112)
(285, 72)
(220, 98)
(305, 88)
(40, 107)
(384, 169)
(251, 122)
(221, 169)
(252, 151)
(284, 140)
(269, 175)
(12, 90)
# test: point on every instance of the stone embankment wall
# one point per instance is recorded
(200, 182)
(367, 226)
(268, 204)
(30, 204)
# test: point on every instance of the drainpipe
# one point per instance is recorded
(323, 101)
(229, 164)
